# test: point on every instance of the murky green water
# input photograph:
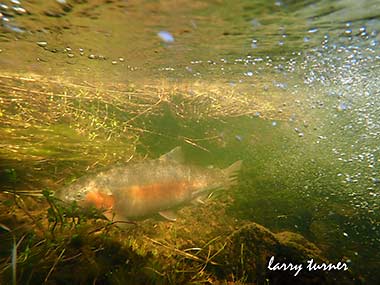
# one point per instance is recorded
(289, 87)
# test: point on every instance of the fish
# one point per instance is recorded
(145, 188)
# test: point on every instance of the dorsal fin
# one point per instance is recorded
(176, 154)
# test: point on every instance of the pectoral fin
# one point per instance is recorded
(199, 200)
(169, 215)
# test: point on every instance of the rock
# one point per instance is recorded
(248, 250)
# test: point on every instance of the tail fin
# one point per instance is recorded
(231, 173)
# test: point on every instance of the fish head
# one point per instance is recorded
(88, 191)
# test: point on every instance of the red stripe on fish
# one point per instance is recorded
(99, 200)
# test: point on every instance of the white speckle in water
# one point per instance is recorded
(165, 36)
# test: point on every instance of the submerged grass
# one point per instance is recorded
(63, 243)
(14, 254)
(58, 129)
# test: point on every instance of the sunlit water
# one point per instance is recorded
(311, 163)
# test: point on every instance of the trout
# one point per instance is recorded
(154, 186)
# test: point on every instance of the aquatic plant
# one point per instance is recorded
(14, 254)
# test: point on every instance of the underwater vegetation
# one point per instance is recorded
(55, 137)
(59, 244)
